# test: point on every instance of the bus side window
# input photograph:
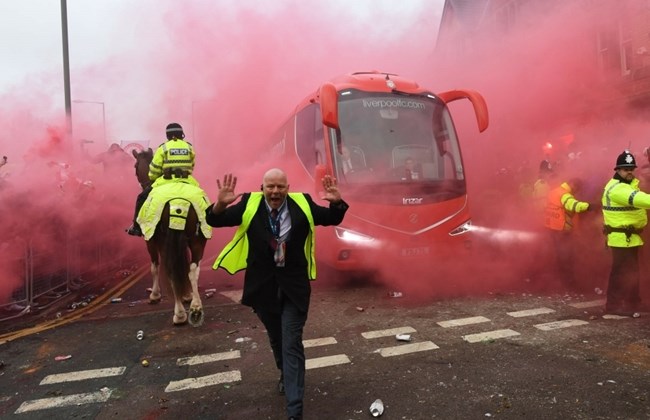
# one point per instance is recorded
(319, 144)
(308, 139)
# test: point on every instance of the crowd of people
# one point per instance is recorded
(570, 208)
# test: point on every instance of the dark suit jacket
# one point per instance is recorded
(262, 278)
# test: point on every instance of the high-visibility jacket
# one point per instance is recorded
(171, 155)
(624, 213)
(560, 208)
(540, 194)
(234, 256)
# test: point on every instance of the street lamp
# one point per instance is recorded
(79, 101)
(66, 66)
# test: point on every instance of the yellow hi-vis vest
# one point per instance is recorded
(174, 153)
(560, 208)
(624, 207)
(539, 194)
(233, 257)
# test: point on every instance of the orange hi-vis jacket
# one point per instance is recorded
(560, 208)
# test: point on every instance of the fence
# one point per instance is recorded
(41, 274)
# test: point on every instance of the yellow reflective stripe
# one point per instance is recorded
(310, 242)
(234, 255)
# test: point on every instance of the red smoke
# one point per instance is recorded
(230, 74)
(543, 84)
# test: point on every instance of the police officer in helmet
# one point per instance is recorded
(172, 162)
(624, 208)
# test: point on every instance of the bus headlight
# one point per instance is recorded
(464, 228)
(348, 235)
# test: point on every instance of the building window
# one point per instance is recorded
(608, 57)
(625, 37)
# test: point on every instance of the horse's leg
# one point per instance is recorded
(187, 297)
(154, 296)
(196, 307)
(180, 316)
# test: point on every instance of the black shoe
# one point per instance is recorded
(134, 230)
(620, 311)
(281, 385)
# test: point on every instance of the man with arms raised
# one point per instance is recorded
(275, 245)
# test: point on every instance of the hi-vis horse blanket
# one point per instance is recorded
(180, 196)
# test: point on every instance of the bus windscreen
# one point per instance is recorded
(397, 139)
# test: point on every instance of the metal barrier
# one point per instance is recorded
(19, 301)
(52, 269)
(48, 270)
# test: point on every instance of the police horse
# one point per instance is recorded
(175, 250)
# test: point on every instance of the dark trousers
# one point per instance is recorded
(285, 336)
(623, 289)
(564, 261)
(139, 201)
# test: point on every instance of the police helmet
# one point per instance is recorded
(174, 130)
(625, 160)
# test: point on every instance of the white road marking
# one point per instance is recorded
(65, 401)
(616, 317)
(234, 295)
(463, 321)
(590, 304)
(315, 342)
(208, 358)
(82, 375)
(490, 335)
(530, 312)
(203, 381)
(560, 324)
(387, 333)
(407, 348)
(320, 362)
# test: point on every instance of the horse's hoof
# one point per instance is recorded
(196, 317)
(180, 320)
(154, 301)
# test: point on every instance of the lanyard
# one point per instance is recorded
(275, 221)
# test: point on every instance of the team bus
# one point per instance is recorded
(393, 148)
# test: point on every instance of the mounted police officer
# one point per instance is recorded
(172, 162)
(624, 211)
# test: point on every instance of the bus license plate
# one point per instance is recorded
(415, 252)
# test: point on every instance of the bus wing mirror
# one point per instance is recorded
(329, 105)
(480, 107)
(319, 173)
